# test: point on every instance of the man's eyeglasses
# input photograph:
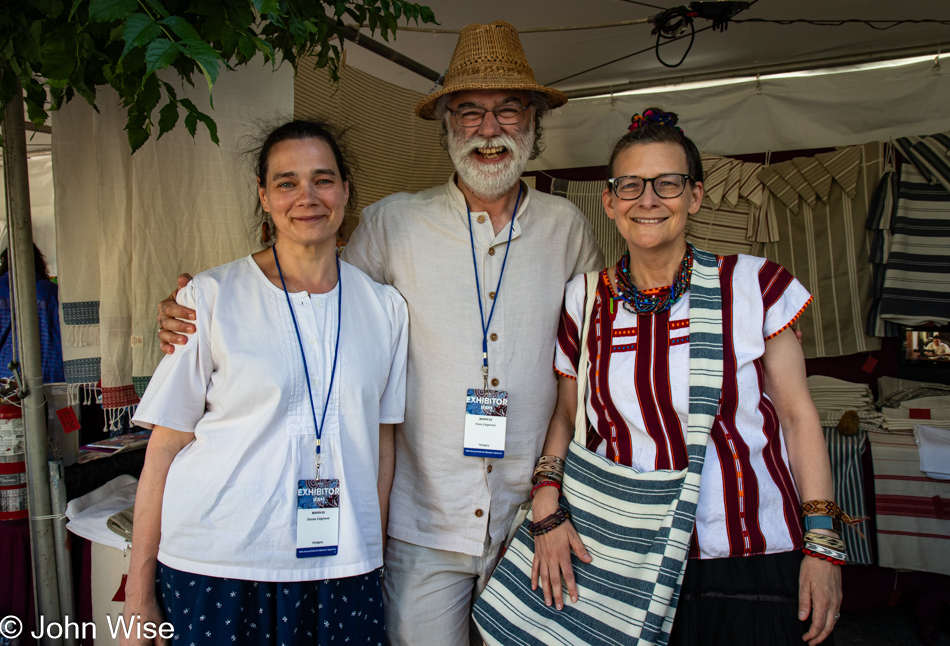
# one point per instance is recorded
(666, 186)
(473, 116)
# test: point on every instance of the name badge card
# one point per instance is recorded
(318, 518)
(486, 418)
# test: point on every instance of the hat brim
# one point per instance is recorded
(426, 107)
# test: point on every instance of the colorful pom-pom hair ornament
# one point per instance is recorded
(653, 116)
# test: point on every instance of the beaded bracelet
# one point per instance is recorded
(545, 483)
(824, 551)
(546, 459)
(823, 557)
(545, 525)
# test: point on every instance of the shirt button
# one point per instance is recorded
(488, 468)
(494, 382)
(493, 337)
(479, 513)
(481, 219)
(491, 295)
(313, 340)
(491, 252)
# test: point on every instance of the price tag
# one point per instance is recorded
(67, 417)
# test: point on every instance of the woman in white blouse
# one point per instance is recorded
(747, 581)
(261, 511)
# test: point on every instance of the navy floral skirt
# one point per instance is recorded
(212, 611)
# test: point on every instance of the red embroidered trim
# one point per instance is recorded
(792, 322)
(119, 397)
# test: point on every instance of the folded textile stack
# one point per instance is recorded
(89, 515)
(934, 446)
(941, 401)
(833, 398)
(913, 519)
(892, 391)
(903, 420)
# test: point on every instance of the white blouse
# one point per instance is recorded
(230, 499)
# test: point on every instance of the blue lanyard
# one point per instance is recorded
(481, 310)
(303, 355)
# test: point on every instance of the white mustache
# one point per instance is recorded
(475, 143)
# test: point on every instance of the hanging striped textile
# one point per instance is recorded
(845, 452)
(824, 242)
(913, 511)
(396, 150)
(587, 197)
(916, 287)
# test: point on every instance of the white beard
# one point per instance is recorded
(490, 181)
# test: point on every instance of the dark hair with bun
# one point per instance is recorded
(657, 127)
(299, 129)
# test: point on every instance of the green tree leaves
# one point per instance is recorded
(109, 10)
(55, 54)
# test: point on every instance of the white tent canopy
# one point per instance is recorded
(558, 54)
(818, 110)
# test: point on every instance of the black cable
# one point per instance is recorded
(838, 23)
(646, 4)
(655, 47)
(616, 60)
(670, 25)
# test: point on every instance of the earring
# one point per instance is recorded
(265, 233)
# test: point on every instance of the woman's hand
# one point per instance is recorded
(552, 552)
(136, 612)
(819, 595)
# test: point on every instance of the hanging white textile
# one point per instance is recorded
(127, 225)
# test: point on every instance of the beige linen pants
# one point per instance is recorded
(428, 594)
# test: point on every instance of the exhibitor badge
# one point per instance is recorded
(486, 419)
(318, 518)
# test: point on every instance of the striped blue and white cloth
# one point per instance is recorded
(636, 526)
(916, 288)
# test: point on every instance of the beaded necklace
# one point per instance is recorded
(636, 302)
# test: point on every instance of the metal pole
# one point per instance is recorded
(63, 565)
(353, 35)
(20, 228)
(762, 70)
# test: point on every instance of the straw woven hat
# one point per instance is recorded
(488, 57)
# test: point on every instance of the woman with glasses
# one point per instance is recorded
(747, 580)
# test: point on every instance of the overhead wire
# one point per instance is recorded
(617, 60)
(838, 23)
(647, 4)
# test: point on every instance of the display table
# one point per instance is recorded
(913, 511)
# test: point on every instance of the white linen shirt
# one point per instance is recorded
(230, 501)
(419, 243)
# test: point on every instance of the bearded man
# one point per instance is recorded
(482, 262)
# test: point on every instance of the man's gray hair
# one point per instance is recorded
(539, 101)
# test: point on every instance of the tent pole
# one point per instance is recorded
(778, 68)
(20, 228)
